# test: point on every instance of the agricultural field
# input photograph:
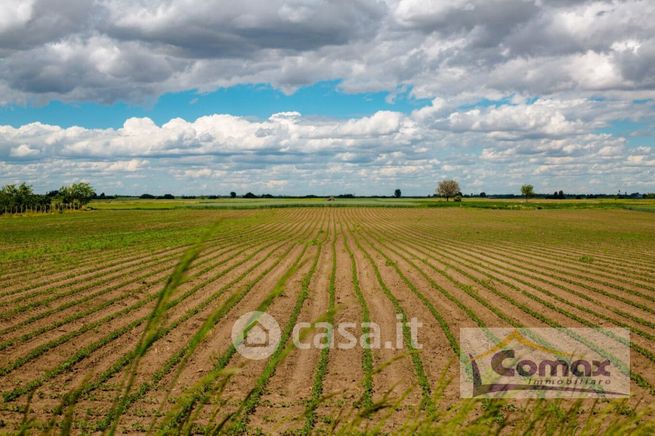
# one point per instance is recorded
(119, 319)
(127, 203)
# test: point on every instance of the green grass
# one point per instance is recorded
(646, 205)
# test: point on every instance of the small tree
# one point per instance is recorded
(233, 194)
(397, 193)
(527, 191)
(483, 194)
(448, 188)
(77, 194)
(249, 195)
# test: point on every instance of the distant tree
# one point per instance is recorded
(249, 195)
(147, 196)
(527, 191)
(21, 198)
(561, 195)
(483, 194)
(233, 194)
(77, 194)
(448, 188)
(397, 193)
(83, 192)
(168, 197)
(8, 198)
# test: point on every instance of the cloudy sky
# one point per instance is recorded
(328, 97)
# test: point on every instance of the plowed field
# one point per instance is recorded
(103, 327)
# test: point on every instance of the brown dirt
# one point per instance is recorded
(418, 235)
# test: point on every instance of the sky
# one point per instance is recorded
(328, 97)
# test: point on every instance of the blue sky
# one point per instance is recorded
(323, 99)
(636, 133)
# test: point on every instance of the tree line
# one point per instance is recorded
(450, 189)
(21, 198)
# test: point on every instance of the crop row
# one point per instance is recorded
(519, 273)
(88, 326)
(91, 262)
(612, 255)
(322, 366)
(424, 383)
(115, 257)
(556, 273)
(248, 406)
(87, 350)
(367, 355)
(179, 358)
(182, 353)
(181, 414)
(624, 275)
(539, 271)
(418, 239)
(105, 276)
(210, 257)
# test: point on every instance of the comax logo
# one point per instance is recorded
(545, 363)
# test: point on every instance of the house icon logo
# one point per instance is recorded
(256, 335)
